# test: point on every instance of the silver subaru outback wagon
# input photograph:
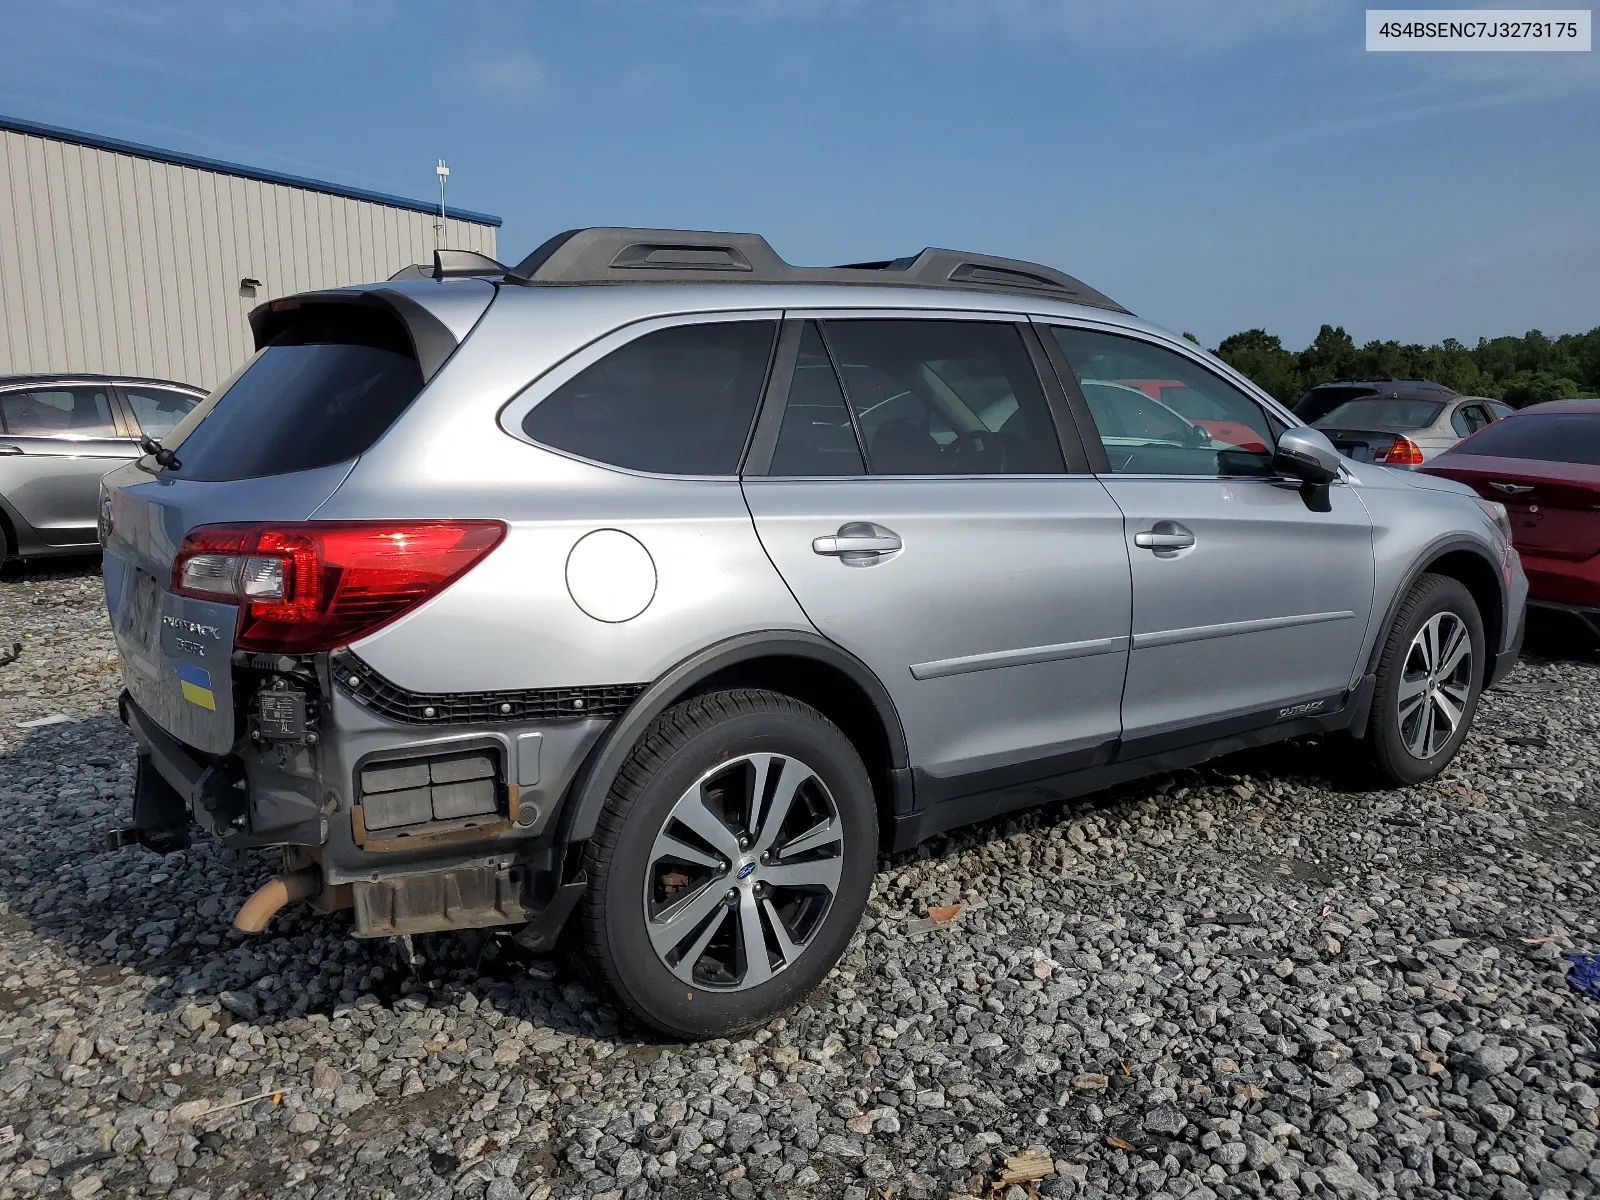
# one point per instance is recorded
(653, 587)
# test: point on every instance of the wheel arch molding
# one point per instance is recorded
(804, 665)
(1469, 563)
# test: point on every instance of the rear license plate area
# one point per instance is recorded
(141, 611)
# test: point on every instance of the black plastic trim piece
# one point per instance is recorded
(1318, 707)
(170, 758)
(377, 694)
(909, 830)
(615, 255)
(580, 811)
(935, 790)
(431, 341)
(1073, 448)
(1434, 552)
(543, 932)
(774, 400)
(1094, 450)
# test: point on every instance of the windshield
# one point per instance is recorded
(1550, 437)
(1383, 414)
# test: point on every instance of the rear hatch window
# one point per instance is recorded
(1389, 414)
(1551, 437)
(322, 390)
(1321, 401)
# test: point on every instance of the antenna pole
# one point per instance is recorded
(443, 172)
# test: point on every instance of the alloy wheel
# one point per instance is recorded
(1435, 685)
(743, 872)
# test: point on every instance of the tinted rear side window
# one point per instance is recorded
(321, 392)
(58, 412)
(678, 401)
(1550, 437)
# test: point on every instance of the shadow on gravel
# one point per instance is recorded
(1558, 637)
(68, 565)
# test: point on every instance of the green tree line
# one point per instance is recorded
(1522, 370)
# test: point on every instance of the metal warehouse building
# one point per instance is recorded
(117, 258)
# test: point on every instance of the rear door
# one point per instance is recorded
(911, 488)
(59, 440)
(1248, 607)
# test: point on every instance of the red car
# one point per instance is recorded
(1199, 410)
(1543, 464)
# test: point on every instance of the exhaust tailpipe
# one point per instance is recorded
(264, 904)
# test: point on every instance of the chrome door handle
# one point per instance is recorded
(1165, 535)
(10, 449)
(858, 537)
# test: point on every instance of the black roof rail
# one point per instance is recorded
(606, 255)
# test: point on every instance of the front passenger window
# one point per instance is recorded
(1160, 413)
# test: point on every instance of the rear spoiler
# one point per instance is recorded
(431, 341)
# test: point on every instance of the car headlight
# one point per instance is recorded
(1496, 512)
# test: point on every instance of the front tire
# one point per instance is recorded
(731, 863)
(1430, 675)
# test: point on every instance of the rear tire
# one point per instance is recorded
(1430, 675)
(731, 863)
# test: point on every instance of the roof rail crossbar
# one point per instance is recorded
(614, 255)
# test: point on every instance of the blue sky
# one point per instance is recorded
(1212, 164)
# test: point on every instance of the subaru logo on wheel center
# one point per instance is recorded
(745, 871)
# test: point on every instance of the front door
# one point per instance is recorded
(58, 441)
(1249, 605)
(923, 517)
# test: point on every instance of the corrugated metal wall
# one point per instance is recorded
(115, 264)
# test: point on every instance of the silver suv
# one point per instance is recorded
(661, 582)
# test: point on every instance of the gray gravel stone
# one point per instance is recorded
(1267, 980)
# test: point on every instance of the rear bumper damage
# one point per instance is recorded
(411, 830)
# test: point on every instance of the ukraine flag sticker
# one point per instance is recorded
(196, 683)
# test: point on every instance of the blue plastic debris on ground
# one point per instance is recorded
(1585, 974)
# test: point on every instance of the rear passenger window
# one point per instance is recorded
(945, 398)
(678, 401)
(58, 412)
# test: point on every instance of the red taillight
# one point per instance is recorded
(320, 584)
(1404, 453)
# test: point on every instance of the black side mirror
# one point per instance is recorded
(1307, 455)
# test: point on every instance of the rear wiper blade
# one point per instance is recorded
(160, 453)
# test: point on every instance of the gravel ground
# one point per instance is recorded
(1243, 980)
